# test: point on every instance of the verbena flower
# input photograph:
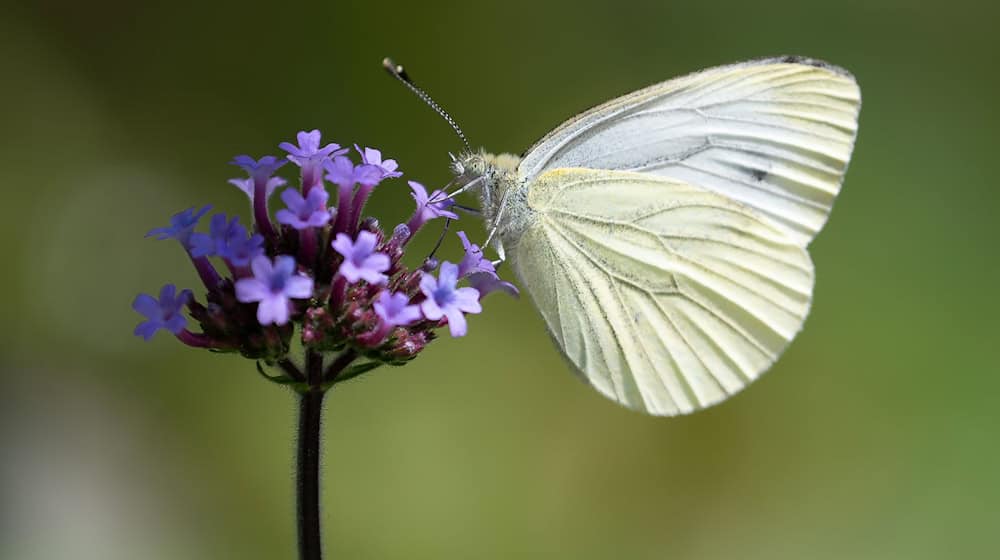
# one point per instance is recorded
(480, 271)
(181, 226)
(302, 213)
(259, 169)
(444, 299)
(361, 261)
(308, 150)
(260, 172)
(163, 313)
(394, 309)
(310, 157)
(427, 210)
(273, 287)
(371, 156)
(221, 232)
(246, 185)
(321, 272)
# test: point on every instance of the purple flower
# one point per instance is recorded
(309, 156)
(164, 313)
(220, 233)
(368, 175)
(480, 272)
(361, 261)
(242, 250)
(486, 282)
(261, 169)
(305, 212)
(428, 210)
(227, 240)
(373, 157)
(308, 151)
(445, 300)
(246, 185)
(473, 261)
(340, 171)
(395, 310)
(273, 286)
(181, 226)
(260, 172)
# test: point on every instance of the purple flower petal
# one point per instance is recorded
(246, 185)
(395, 310)
(387, 168)
(308, 151)
(181, 226)
(259, 169)
(445, 300)
(163, 313)
(340, 171)
(361, 262)
(273, 286)
(303, 213)
(473, 261)
(427, 210)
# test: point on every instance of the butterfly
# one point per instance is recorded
(663, 235)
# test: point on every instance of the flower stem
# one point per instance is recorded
(307, 482)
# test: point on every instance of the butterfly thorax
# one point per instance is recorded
(499, 185)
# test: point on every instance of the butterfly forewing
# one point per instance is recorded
(773, 134)
(667, 300)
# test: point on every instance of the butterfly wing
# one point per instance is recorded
(669, 299)
(775, 134)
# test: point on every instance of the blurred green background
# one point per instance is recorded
(874, 437)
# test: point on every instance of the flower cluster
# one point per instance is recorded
(319, 272)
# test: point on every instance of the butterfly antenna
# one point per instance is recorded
(399, 73)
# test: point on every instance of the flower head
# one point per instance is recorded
(355, 298)
(273, 286)
(308, 151)
(164, 313)
(371, 156)
(181, 226)
(427, 210)
(361, 261)
(304, 212)
(445, 300)
(394, 309)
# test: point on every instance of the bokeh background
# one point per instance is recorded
(875, 436)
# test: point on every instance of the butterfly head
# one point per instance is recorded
(490, 174)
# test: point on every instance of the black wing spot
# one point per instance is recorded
(758, 174)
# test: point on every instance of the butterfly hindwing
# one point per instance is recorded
(667, 300)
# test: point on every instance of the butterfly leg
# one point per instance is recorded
(476, 212)
(444, 231)
(470, 185)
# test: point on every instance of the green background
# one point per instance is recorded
(874, 437)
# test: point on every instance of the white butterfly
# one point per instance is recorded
(662, 235)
